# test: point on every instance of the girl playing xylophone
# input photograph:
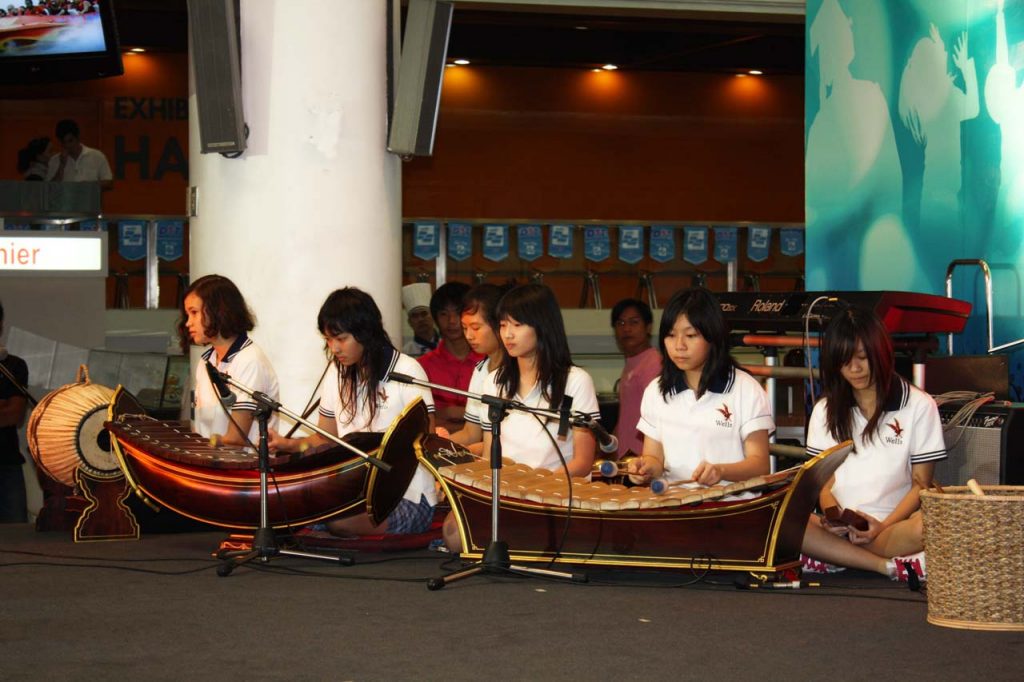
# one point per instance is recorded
(480, 325)
(359, 396)
(897, 434)
(214, 313)
(703, 419)
(538, 371)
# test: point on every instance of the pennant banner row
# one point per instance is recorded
(699, 242)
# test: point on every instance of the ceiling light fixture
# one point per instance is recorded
(609, 67)
(755, 72)
(462, 62)
(138, 49)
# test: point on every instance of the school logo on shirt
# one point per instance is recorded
(897, 433)
(726, 419)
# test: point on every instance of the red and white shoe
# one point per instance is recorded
(812, 565)
(899, 569)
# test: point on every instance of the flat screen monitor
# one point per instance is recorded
(58, 40)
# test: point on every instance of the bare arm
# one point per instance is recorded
(755, 462)
(583, 447)
(279, 442)
(237, 435)
(12, 410)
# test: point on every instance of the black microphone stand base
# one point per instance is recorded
(496, 562)
(264, 542)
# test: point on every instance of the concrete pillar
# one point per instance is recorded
(314, 203)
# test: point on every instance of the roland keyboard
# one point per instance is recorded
(902, 312)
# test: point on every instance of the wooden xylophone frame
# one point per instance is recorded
(330, 484)
(762, 535)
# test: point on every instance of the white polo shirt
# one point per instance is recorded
(710, 429)
(526, 438)
(90, 166)
(392, 398)
(246, 363)
(476, 411)
(877, 474)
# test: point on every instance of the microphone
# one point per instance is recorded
(401, 378)
(563, 417)
(3, 353)
(608, 443)
(224, 392)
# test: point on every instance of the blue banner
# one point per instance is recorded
(759, 243)
(531, 244)
(16, 227)
(560, 241)
(425, 240)
(695, 245)
(460, 241)
(92, 226)
(725, 244)
(495, 242)
(631, 243)
(663, 243)
(791, 241)
(170, 239)
(597, 244)
(131, 239)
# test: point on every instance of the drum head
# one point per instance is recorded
(384, 490)
(93, 444)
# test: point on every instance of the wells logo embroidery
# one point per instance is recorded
(897, 433)
(726, 419)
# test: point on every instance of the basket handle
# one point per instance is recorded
(83, 375)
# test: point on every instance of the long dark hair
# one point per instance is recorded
(535, 305)
(837, 348)
(225, 312)
(705, 314)
(353, 311)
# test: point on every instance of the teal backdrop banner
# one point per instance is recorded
(915, 153)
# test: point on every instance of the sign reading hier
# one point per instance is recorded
(53, 253)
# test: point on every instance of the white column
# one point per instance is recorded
(314, 204)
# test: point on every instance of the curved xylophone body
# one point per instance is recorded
(169, 465)
(612, 525)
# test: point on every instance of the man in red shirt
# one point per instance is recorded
(452, 362)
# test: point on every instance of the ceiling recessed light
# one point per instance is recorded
(755, 72)
(595, 70)
(449, 66)
(462, 62)
(609, 67)
(582, 28)
(138, 49)
(741, 75)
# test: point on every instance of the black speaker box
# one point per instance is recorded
(216, 74)
(989, 448)
(420, 72)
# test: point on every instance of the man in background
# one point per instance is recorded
(76, 162)
(416, 301)
(632, 321)
(452, 362)
(13, 403)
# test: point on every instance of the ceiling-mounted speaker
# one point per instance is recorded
(213, 37)
(420, 72)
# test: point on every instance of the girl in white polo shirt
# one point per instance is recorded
(538, 371)
(897, 437)
(480, 325)
(214, 312)
(360, 396)
(704, 418)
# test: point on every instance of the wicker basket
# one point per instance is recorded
(975, 552)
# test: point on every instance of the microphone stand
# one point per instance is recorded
(264, 541)
(496, 558)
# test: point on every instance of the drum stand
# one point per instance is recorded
(496, 557)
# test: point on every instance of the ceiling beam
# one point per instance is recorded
(752, 8)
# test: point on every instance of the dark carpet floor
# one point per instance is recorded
(155, 609)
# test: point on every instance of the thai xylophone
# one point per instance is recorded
(168, 465)
(702, 528)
